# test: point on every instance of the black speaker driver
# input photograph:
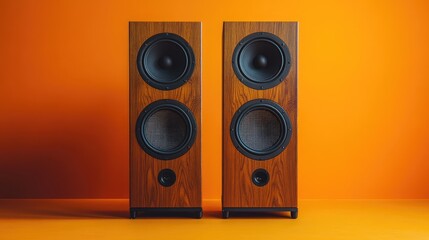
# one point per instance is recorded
(165, 61)
(260, 129)
(261, 60)
(166, 129)
(260, 177)
(166, 177)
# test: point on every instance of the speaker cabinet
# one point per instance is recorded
(165, 117)
(259, 117)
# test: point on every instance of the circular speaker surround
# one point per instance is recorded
(260, 177)
(261, 60)
(165, 61)
(260, 129)
(166, 177)
(166, 129)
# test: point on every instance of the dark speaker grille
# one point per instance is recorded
(259, 130)
(165, 130)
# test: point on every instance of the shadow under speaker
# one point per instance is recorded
(259, 117)
(165, 117)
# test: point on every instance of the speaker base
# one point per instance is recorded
(293, 211)
(196, 212)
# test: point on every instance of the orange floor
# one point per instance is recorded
(318, 219)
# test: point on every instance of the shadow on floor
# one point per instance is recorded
(106, 209)
(63, 209)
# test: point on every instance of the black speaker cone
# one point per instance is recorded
(260, 177)
(166, 129)
(261, 129)
(261, 60)
(166, 177)
(165, 61)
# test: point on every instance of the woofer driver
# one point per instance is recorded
(165, 61)
(260, 129)
(166, 129)
(261, 60)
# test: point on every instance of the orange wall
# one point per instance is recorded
(363, 94)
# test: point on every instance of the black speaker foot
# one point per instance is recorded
(225, 214)
(294, 214)
(293, 210)
(199, 214)
(133, 214)
(196, 212)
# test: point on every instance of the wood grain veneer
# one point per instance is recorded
(238, 190)
(145, 192)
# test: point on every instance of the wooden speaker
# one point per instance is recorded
(259, 117)
(165, 117)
